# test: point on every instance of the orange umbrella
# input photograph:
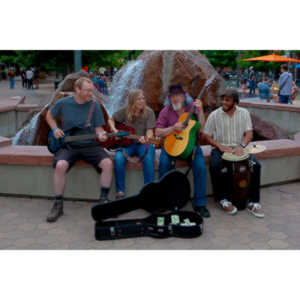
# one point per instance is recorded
(272, 58)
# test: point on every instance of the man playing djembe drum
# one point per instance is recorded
(229, 129)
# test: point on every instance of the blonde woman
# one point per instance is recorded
(142, 119)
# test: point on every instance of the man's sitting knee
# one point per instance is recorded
(62, 166)
(106, 164)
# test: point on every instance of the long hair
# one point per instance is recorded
(132, 96)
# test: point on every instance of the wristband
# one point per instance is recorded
(54, 129)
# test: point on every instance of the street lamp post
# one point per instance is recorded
(238, 70)
(77, 60)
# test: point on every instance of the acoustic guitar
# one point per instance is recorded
(181, 143)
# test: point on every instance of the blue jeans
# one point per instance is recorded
(284, 99)
(11, 83)
(132, 150)
(167, 163)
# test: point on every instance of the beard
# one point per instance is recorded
(177, 106)
(229, 108)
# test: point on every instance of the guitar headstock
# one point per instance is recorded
(210, 80)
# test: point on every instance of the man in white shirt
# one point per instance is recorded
(229, 129)
(29, 77)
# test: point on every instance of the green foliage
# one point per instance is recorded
(258, 65)
(221, 58)
(229, 58)
(63, 60)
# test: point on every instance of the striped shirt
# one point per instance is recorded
(228, 130)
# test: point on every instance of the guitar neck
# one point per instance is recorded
(83, 137)
(206, 86)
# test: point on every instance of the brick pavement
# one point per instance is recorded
(23, 226)
(40, 96)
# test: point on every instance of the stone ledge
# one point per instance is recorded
(40, 156)
(275, 106)
(28, 107)
(4, 142)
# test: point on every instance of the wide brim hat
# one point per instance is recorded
(176, 89)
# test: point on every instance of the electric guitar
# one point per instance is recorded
(115, 140)
(181, 143)
(55, 144)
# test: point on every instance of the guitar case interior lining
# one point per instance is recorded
(170, 193)
(110, 230)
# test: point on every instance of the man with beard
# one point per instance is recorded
(229, 129)
(177, 103)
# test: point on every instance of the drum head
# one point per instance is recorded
(231, 157)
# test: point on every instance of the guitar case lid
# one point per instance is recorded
(171, 192)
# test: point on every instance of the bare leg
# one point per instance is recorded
(106, 175)
(60, 177)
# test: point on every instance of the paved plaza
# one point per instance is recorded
(23, 226)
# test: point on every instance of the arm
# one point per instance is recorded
(111, 123)
(101, 134)
(163, 132)
(201, 117)
(213, 143)
(247, 138)
(58, 133)
(149, 135)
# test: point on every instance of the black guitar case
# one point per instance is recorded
(110, 230)
(170, 193)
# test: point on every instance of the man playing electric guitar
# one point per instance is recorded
(178, 103)
(74, 112)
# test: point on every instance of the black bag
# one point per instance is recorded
(170, 194)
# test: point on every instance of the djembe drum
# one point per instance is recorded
(238, 169)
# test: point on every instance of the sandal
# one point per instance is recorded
(120, 195)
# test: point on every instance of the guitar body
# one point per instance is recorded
(181, 144)
(55, 144)
(113, 142)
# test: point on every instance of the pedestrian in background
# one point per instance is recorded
(36, 78)
(294, 92)
(252, 82)
(23, 77)
(285, 85)
(11, 77)
(29, 77)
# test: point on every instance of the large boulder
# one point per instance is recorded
(264, 130)
(189, 68)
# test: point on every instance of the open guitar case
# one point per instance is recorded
(163, 199)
